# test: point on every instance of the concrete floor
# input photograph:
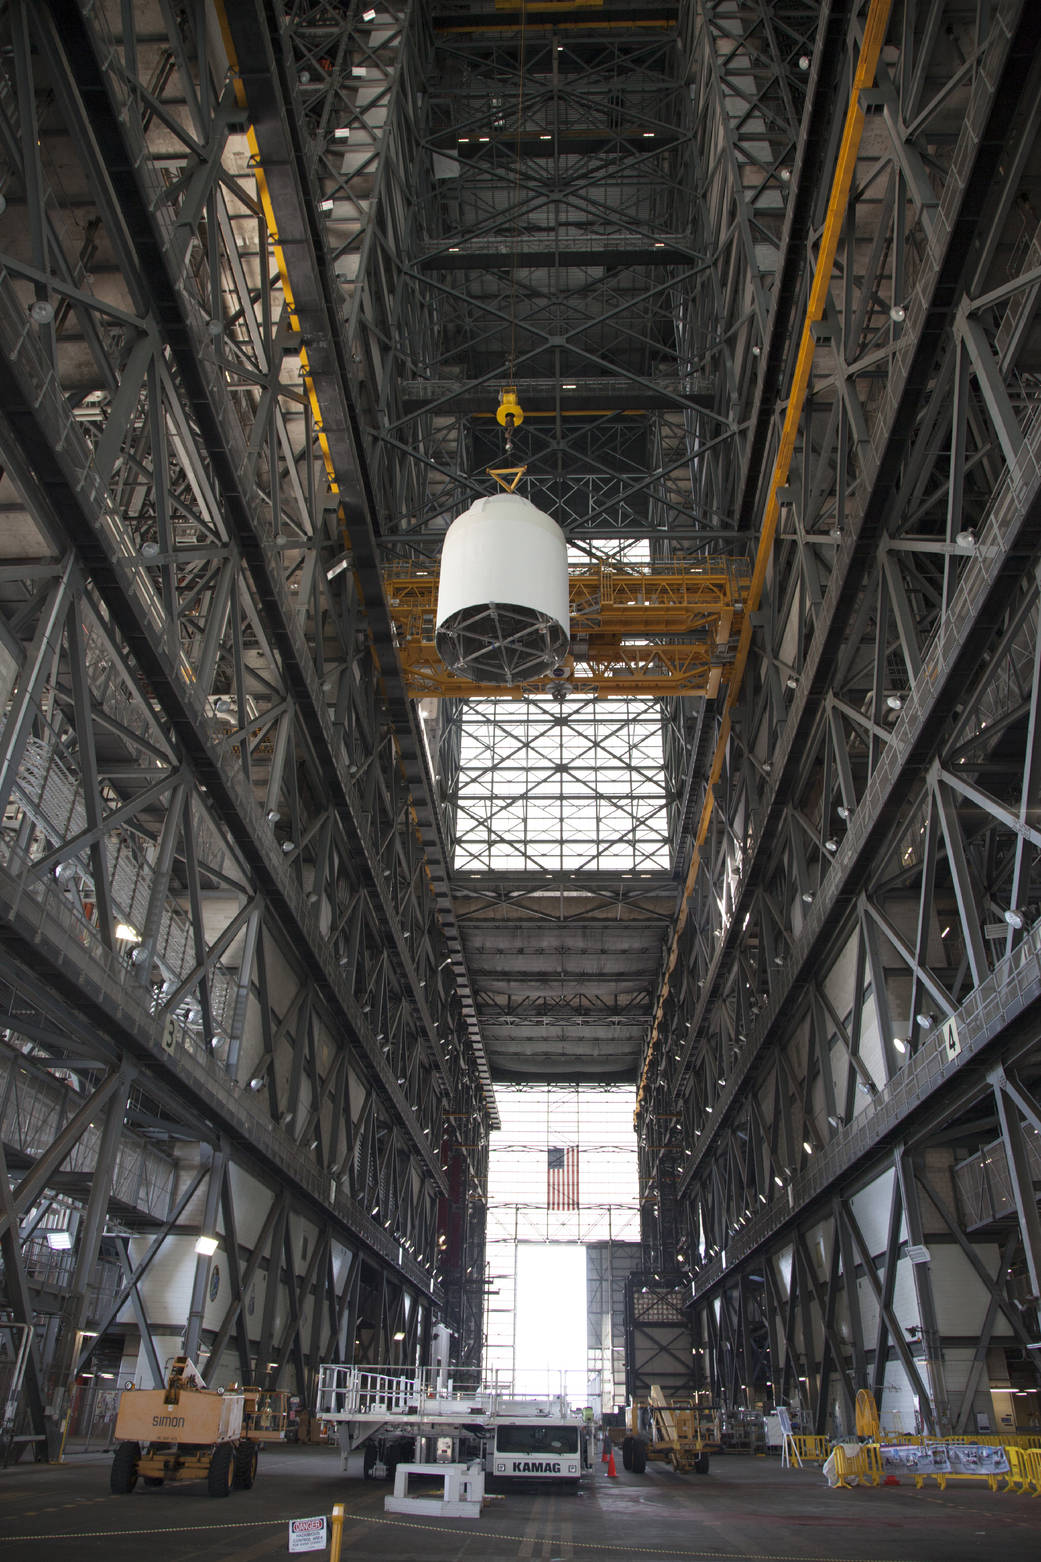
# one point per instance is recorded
(745, 1508)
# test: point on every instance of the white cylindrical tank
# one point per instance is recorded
(503, 611)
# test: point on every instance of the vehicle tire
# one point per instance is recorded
(701, 1464)
(123, 1478)
(627, 1452)
(246, 1455)
(153, 1480)
(222, 1470)
(639, 1456)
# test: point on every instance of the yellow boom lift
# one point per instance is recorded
(680, 1435)
(188, 1432)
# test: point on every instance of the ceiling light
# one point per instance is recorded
(42, 311)
(127, 934)
(288, 846)
(925, 1020)
(369, 15)
(831, 844)
(778, 1180)
(273, 816)
(842, 811)
(894, 702)
(898, 314)
(1013, 916)
(807, 1146)
(206, 1246)
(791, 682)
(807, 896)
(833, 1121)
(900, 1044)
(257, 1082)
(338, 566)
(804, 62)
(59, 1241)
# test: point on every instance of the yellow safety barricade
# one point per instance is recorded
(811, 1448)
(864, 1466)
(871, 1464)
(1032, 1460)
(1019, 1477)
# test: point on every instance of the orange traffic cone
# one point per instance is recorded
(611, 1471)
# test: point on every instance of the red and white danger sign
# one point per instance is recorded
(307, 1534)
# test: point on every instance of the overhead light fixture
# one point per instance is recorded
(400, 1335)
(338, 566)
(257, 1082)
(898, 314)
(288, 846)
(791, 682)
(807, 1146)
(894, 701)
(842, 811)
(206, 1246)
(59, 1241)
(127, 934)
(900, 1044)
(369, 15)
(807, 896)
(42, 311)
(273, 816)
(833, 1121)
(926, 1020)
(1015, 917)
(831, 844)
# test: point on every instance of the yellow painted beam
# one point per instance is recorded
(838, 201)
(651, 632)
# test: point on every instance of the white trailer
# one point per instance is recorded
(385, 1416)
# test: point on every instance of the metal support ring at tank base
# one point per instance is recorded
(499, 642)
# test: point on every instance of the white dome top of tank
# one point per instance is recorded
(503, 612)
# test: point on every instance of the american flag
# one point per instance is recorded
(562, 1178)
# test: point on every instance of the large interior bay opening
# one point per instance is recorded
(563, 1231)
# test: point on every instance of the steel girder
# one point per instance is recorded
(858, 927)
(211, 864)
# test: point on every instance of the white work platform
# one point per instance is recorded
(461, 1497)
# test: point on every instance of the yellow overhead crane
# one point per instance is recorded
(650, 630)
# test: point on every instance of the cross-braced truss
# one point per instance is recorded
(263, 275)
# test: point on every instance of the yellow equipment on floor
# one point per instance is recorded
(680, 1435)
(187, 1432)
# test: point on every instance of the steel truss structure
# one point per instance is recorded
(765, 278)
(849, 1007)
(221, 929)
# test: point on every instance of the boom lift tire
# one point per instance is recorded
(639, 1456)
(123, 1478)
(222, 1470)
(246, 1455)
(627, 1453)
(701, 1464)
